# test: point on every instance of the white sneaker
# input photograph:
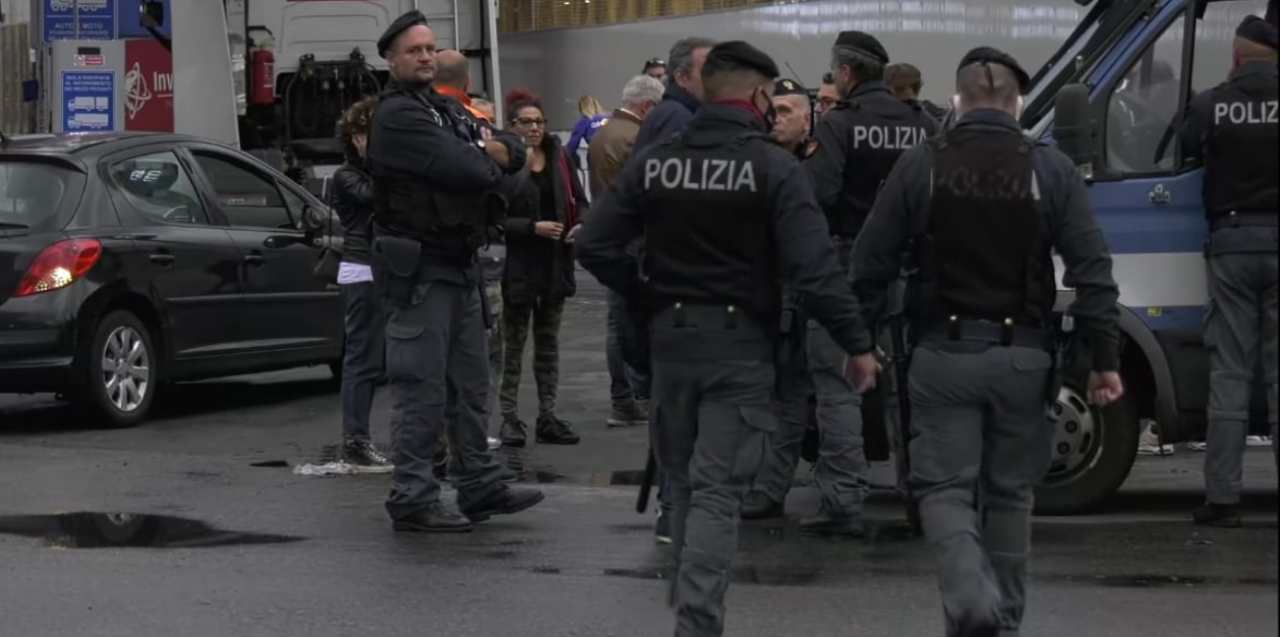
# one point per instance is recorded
(1257, 441)
(1198, 445)
(1149, 441)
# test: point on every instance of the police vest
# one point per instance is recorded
(450, 225)
(1241, 164)
(879, 129)
(983, 254)
(708, 225)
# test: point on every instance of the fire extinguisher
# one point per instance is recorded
(262, 76)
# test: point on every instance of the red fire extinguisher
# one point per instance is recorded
(262, 92)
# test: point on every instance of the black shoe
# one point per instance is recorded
(514, 432)
(758, 506)
(1222, 515)
(365, 457)
(553, 431)
(627, 413)
(433, 519)
(505, 502)
(662, 528)
(826, 524)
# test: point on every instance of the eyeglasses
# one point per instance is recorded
(525, 121)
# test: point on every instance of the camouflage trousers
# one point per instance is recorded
(516, 320)
(493, 291)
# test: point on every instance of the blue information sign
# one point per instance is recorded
(88, 101)
(79, 19)
(129, 25)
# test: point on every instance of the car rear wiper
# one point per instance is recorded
(13, 226)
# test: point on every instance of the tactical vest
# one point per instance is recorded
(709, 225)
(983, 254)
(879, 131)
(450, 225)
(1241, 163)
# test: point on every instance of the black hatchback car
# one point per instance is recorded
(130, 260)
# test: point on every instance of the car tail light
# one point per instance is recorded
(60, 265)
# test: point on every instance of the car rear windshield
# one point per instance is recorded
(33, 195)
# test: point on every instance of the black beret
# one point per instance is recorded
(402, 24)
(864, 43)
(988, 55)
(737, 53)
(1255, 29)
(788, 87)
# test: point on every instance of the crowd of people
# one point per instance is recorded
(751, 234)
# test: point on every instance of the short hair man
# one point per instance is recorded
(981, 312)
(728, 218)
(1232, 127)
(453, 79)
(423, 256)
(905, 82)
(828, 95)
(609, 151)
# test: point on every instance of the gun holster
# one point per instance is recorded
(396, 262)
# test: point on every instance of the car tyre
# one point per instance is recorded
(1090, 459)
(121, 371)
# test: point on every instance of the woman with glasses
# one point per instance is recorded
(546, 203)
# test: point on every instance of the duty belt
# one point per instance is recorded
(1236, 219)
(1007, 333)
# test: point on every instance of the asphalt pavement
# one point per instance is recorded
(237, 544)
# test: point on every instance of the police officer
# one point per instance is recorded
(769, 491)
(981, 312)
(727, 216)
(858, 141)
(430, 172)
(793, 128)
(1233, 129)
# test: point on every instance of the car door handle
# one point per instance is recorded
(160, 258)
(253, 259)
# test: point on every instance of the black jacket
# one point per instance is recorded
(669, 118)
(352, 199)
(538, 268)
(1068, 221)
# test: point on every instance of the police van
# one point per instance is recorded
(1114, 97)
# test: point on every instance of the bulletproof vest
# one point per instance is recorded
(1241, 154)
(450, 225)
(984, 255)
(879, 129)
(708, 229)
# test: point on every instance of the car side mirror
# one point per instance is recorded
(1074, 128)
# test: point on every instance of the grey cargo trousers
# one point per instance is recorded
(713, 379)
(438, 371)
(980, 443)
(1239, 328)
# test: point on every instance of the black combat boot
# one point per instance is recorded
(514, 432)
(1223, 515)
(365, 457)
(505, 501)
(553, 431)
(436, 518)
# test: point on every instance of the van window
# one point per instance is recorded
(1142, 111)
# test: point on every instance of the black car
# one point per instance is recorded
(130, 260)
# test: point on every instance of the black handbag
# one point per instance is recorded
(326, 268)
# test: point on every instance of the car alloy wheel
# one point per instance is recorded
(126, 369)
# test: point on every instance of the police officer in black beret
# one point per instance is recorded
(858, 142)
(793, 127)
(981, 310)
(431, 174)
(1233, 129)
(727, 218)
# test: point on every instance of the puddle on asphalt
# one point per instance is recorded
(271, 464)
(103, 530)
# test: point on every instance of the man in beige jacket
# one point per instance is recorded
(609, 150)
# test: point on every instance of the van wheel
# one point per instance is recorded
(1093, 451)
(122, 371)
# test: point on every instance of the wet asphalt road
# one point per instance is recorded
(267, 552)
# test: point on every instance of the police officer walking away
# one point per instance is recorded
(858, 142)
(430, 173)
(711, 297)
(1233, 129)
(981, 312)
